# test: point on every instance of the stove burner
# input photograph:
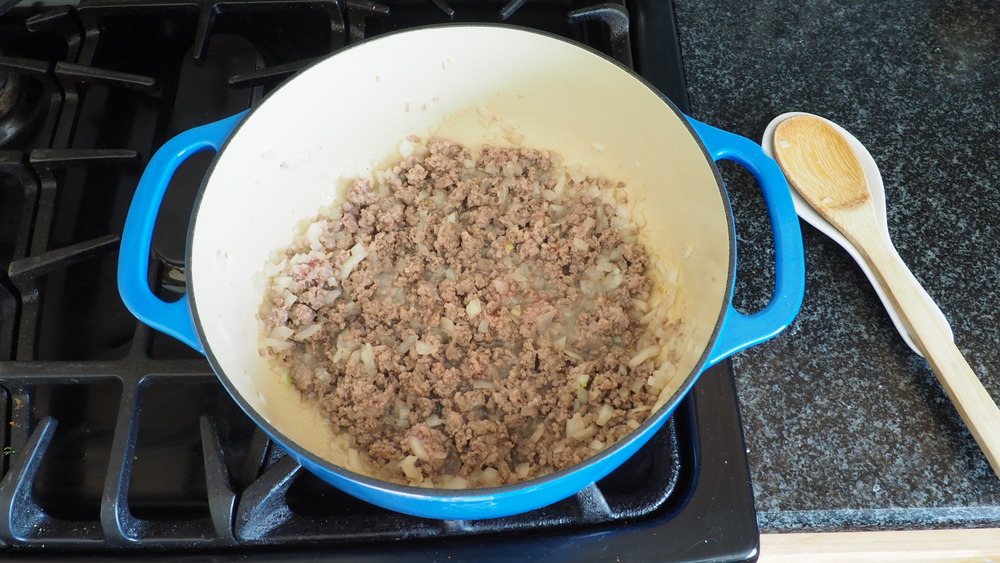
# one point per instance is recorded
(9, 88)
(17, 112)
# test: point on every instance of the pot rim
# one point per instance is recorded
(645, 429)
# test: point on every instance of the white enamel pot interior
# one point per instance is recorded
(345, 115)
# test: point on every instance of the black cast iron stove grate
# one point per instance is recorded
(116, 436)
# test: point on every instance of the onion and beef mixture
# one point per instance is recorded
(470, 320)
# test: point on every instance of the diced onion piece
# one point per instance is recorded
(474, 308)
(640, 305)
(281, 332)
(575, 424)
(406, 344)
(661, 376)
(663, 397)
(649, 317)
(281, 283)
(307, 332)
(524, 272)
(447, 326)
(670, 276)
(433, 420)
(573, 354)
(537, 434)
(585, 434)
(580, 244)
(358, 253)
(522, 469)
(604, 414)
(313, 232)
(646, 353)
(602, 220)
(544, 321)
(410, 469)
(278, 344)
(481, 384)
(491, 476)
(405, 148)
(456, 482)
(633, 424)
(418, 449)
(484, 325)
(424, 348)
(329, 297)
(597, 445)
(368, 359)
(613, 280)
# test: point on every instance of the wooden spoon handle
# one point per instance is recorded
(974, 403)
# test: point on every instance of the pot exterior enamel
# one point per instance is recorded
(341, 118)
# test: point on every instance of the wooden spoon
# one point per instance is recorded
(823, 169)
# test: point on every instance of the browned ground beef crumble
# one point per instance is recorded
(468, 322)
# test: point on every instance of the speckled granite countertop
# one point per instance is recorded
(846, 428)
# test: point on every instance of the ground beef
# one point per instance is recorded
(469, 321)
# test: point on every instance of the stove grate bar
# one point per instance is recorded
(26, 275)
(208, 10)
(61, 21)
(27, 269)
(45, 162)
(444, 7)
(26, 67)
(510, 7)
(617, 19)
(22, 521)
(262, 507)
(122, 528)
(72, 74)
(268, 76)
(12, 165)
(358, 11)
(221, 497)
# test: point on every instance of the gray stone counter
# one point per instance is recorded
(846, 427)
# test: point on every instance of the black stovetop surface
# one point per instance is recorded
(118, 437)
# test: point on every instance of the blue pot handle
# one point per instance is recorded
(174, 318)
(740, 331)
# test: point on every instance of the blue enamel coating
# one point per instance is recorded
(737, 332)
(133, 259)
(740, 331)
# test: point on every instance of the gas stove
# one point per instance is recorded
(118, 438)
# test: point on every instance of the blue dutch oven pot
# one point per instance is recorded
(283, 161)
